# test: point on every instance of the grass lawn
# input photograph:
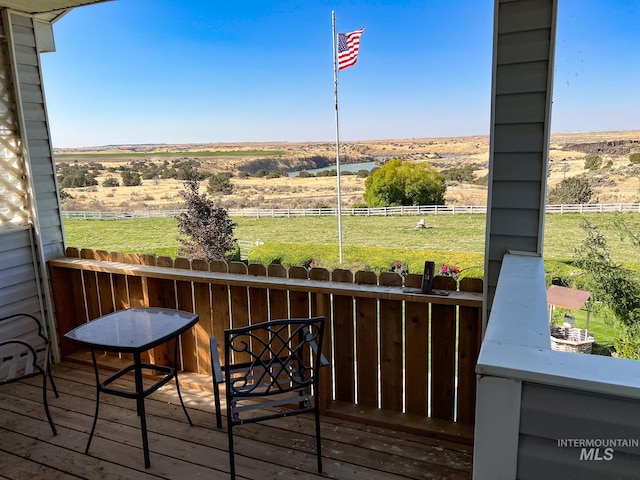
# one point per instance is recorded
(456, 233)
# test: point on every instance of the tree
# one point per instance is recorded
(593, 162)
(111, 181)
(404, 183)
(220, 183)
(131, 179)
(613, 287)
(209, 229)
(570, 190)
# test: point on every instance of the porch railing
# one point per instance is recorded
(398, 359)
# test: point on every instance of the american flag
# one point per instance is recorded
(348, 46)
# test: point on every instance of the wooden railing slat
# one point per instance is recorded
(259, 308)
(278, 299)
(367, 343)
(184, 299)
(204, 327)
(391, 385)
(343, 340)
(220, 310)
(416, 352)
(469, 340)
(239, 303)
(299, 301)
(443, 338)
(321, 306)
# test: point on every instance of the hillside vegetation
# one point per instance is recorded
(258, 171)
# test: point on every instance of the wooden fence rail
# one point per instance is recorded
(398, 359)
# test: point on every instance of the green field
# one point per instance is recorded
(454, 233)
(460, 236)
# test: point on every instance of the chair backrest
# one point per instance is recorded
(273, 357)
(23, 347)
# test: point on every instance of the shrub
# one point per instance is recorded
(220, 183)
(305, 174)
(459, 174)
(131, 179)
(592, 162)
(634, 158)
(571, 190)
(111, 182)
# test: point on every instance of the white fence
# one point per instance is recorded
(366, 212)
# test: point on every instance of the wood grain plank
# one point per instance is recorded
(184, 299)
(443, 349)
(391, 347)
(417, 352)
(367, 343)
(343, 338)
(204, 328)
(469, 341)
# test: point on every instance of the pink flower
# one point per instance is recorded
(450, 271)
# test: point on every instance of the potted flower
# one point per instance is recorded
(450, 271)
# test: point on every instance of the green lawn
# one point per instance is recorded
(445, 233)
(456, 233)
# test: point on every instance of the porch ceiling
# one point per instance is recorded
(47, 10)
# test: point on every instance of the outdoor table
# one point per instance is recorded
(134, 331)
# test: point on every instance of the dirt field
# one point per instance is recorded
(617, 183)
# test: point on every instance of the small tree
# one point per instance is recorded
(612, 286)
(404, 183)
(131, 179)
(593, 162)
(571, 190)
(111, 181)
(209, 229)
(634, 158)
(220, 183)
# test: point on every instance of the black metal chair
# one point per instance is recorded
(268, 366)
(24, 353)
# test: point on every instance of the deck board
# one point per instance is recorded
(281, 448)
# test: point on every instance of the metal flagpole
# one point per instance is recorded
(335, 91)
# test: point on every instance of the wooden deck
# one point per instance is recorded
(282, 448)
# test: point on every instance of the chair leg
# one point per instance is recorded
(46, 403)
(53, 384)
(318, 439)
(232, 463)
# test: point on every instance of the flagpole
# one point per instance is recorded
(335, 92)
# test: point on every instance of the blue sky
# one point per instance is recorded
(172, 71)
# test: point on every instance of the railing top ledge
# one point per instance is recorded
(470, 299)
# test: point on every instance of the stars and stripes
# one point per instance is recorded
(348, 46)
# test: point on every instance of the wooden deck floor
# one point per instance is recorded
(282, 448)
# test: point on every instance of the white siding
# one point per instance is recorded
(36, 133)
(18, 281)
(551, 414)
(522, 73)
(23, 256)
